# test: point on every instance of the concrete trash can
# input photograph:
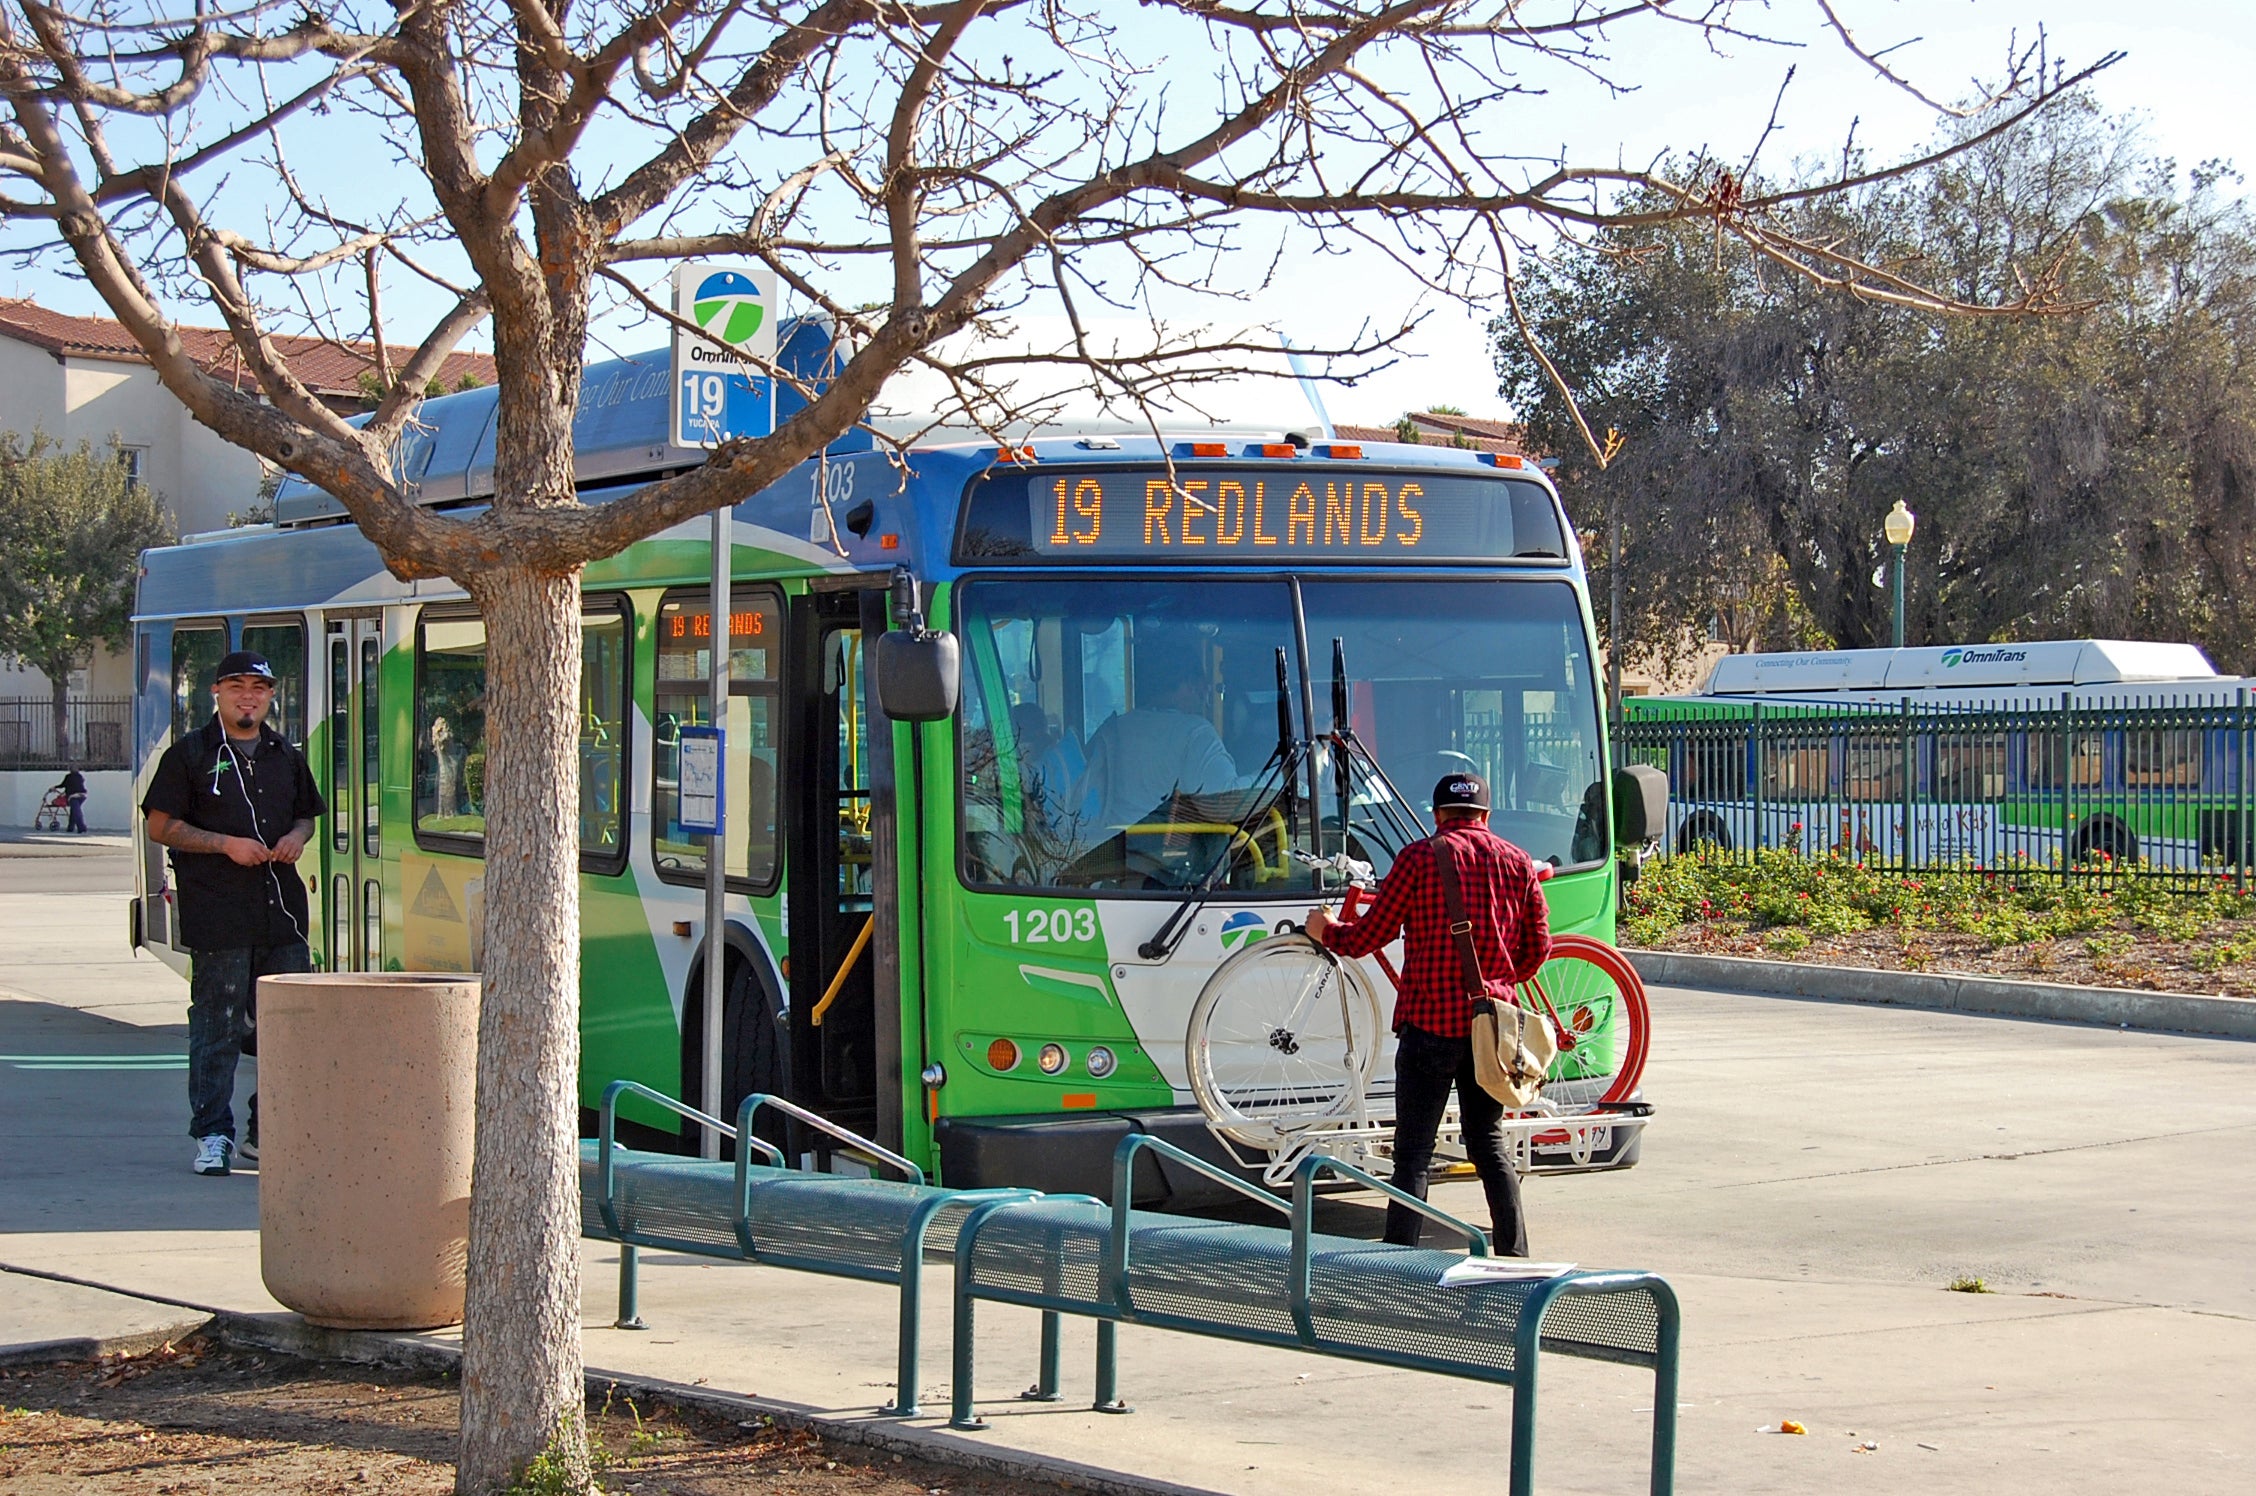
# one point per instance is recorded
(367, 1084)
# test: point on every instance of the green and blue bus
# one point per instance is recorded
(936, 931)
(2054, 752)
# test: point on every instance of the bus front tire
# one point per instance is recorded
(2104, 836)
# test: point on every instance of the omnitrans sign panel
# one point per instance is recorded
(721, 385)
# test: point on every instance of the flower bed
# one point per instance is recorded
(2021, 921)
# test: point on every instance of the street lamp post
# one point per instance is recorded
(1897, 527)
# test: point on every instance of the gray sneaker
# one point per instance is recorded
(212, 1153)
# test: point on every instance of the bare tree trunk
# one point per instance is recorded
(521, 1367)
(58, 703)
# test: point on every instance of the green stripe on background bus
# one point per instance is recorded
(95, 1061)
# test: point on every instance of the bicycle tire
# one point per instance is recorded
(1268, 1056)
(1601, 1003)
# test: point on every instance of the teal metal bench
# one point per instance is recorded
(877, 1230)
(1293, 1288)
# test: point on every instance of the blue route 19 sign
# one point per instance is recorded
(722, 388)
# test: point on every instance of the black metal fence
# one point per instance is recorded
(2157, 788)
(95, 733)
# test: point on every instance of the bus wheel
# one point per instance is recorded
(1702, 830)
(2106, 837)
(753, 1049)
(2220, 838)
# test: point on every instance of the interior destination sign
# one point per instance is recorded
(1256, 515)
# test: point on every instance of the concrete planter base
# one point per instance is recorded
(367, 1082)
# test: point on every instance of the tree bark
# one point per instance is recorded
(521, 1363)
(58, 704)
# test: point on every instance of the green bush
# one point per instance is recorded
(1780, 890)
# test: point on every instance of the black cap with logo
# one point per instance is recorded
(1465, 791)
(243, 662)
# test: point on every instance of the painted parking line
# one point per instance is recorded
(95, 1061)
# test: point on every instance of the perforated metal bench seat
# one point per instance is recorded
(822, 1222)
(879, 1230)
(1300, 1289)
(1365, 1300)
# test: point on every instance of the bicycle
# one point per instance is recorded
(1284, 1041)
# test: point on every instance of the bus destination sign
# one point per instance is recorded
(1257, 515)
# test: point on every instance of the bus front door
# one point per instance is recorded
(834, 1052)
(352, 891)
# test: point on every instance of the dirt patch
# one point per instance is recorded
(2101, 959)
(199, 1416)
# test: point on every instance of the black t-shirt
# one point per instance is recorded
(236, 790)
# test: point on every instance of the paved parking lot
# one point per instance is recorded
(1819, 1175)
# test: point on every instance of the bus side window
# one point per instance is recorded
(450, 727)
(196, 652)
(284, 646)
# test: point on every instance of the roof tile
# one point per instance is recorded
(328, 369)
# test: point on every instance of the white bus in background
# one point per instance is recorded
(1976, 754)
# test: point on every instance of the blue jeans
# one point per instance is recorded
(78, 814)
(1425, 1067)
(221, 988)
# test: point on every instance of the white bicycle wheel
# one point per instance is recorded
(1284, 1037)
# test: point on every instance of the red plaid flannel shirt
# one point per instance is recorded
(1511, 927)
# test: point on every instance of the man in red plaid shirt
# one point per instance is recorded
(1433, 1018)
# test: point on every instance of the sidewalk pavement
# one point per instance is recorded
(1817, 1175)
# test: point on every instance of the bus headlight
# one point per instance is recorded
(1102, 1062)
(1052, 1059)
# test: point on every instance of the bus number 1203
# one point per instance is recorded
(1051, 926)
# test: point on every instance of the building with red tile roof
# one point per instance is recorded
(85, 379)
(1440, 429)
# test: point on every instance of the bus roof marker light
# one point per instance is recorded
(1276, 449)
(1345, 450)
(1015, 454)
(1504, 459)
(1203, 449)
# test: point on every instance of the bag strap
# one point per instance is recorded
(1460, 928)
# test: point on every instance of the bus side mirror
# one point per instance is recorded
(1640, 804)
(918, 673)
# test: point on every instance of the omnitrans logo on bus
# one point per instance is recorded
(1953, 658)
(1243, 928)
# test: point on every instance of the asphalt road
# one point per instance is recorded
(1818, 1176)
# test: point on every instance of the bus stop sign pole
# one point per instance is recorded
(723, 390)
(716, 845)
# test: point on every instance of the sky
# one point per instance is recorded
(2185, 74)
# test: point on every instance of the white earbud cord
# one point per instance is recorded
(260, 837)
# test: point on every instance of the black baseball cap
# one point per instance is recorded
(1468, 791)
(243, 662)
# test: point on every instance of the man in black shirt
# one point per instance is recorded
(236, 804)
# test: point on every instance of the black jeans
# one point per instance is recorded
(221, 985)
(1425, 1067)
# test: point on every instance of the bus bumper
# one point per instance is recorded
(1073, 1155)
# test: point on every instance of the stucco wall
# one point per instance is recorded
(201, 477)
(109, 797)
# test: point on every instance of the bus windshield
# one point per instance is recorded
(1121, 734)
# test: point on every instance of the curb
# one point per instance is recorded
(290, 1335)
(97, 1347)
(1999, 997)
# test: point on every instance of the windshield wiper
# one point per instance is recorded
(1284, 759)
